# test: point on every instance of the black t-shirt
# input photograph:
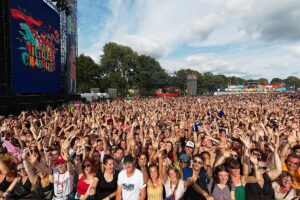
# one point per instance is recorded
(202, 181)
(105, 188)
(254, 191)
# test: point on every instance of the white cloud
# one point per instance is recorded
(203, 63)
(144, 45)
(202, 28)
(294, 49)
(247, 37)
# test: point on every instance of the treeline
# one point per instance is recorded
(122, 68)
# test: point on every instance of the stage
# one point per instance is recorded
(17, 103)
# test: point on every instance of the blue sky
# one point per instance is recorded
(245, 38)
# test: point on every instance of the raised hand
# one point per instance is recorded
(246, 141)
(253, 159)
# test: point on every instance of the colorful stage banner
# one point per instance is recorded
(35, 47)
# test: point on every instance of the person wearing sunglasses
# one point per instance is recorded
(199, 190)
(62, 178)
(86, 177)
(182, 162)
(291, 165)
(283, 188)
(6, 175)
(20, 188)
(262, 190)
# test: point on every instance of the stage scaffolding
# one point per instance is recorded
(71, 5)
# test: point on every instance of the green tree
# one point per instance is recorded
(88, 73)
(149, 75)
(263, 81)
(292, 81)
(119, 64)
(276, 80)
(233, 80)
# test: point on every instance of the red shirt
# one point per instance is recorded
(82, 186)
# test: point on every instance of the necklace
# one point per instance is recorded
(60, 184)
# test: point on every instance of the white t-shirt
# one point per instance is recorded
(131, 185)
(279, 196)
(179, 191)
(63, 184)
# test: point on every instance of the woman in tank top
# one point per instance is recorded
(221, 187)
(6, 176)
(154, 184)
(239, 181)
(20, 188)
(106, 180)
(86, 176)
(42, 188)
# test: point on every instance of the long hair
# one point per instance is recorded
(150, 167)
(233, 164)
(178, 175)
(216, 180)
(106, 158)
(91, 161)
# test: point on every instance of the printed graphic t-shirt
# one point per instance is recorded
(131, 185)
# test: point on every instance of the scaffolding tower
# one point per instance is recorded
(63, 23)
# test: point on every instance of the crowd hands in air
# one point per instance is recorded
(222, 148)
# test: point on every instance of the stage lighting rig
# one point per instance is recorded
(61, 6)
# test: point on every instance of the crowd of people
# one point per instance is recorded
(194, 148)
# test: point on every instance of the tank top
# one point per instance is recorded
(155, 193)
(255, 192)
(240, 191)
(21, 191)
(4, 184)
(82, 186)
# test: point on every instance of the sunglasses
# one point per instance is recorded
(86, 166)
(184, 161)
(197, 162)
(20, 169)
(264, 168)
(294, 163)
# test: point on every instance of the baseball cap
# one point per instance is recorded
(184, 157)
(60, 160)
(128, 159)
(190, 144)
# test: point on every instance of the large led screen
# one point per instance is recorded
(35, 47)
